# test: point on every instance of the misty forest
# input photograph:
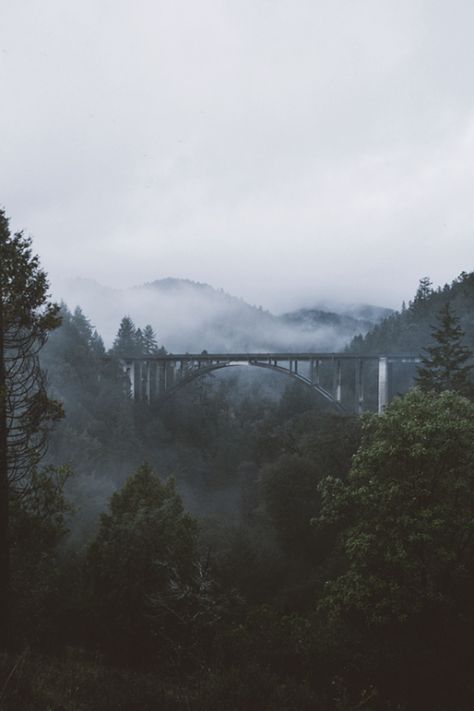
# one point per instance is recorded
(238, 542)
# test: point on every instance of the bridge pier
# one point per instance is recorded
(383, 384)
(150, 381)
(314, 372)
(170, 372)
(359, 386)
(338, 381)
(161, 384)
(128, 367)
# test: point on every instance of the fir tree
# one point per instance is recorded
(150, 346)
(26, 411)
(97, 344)
(444, 365)
(139, 342)
(125, 343)
(424, 291)
(422, 298)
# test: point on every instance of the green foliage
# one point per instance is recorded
(99, 435)
(131, 341)
(149, 342)
(304, 451)
(406, 508)
(444, 365)
(26, 411)
(144, 546)
(423, 295)
(38, 525)
(76, 681)
(26, 318)
(406, 522)
(126, 342)
(24, 286)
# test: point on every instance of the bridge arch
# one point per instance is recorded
(205, 370)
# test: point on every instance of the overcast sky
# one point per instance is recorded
(284, 150)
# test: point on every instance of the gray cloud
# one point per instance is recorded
(286, 151)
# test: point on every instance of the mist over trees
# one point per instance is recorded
(190, 316)
(240, 546)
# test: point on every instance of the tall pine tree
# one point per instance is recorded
(126, 342)
(26, 317)
(444, 365)
(150, 346)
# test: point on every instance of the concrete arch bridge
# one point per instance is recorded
(341, 379)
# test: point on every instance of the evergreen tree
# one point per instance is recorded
(444, 365)
(150, 345)
(424, 291)
(82, 325)
(97, 344)
(125, 343)
(139, 342)
(26, 317)
(146, 544)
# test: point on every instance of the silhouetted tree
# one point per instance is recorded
(444, 365)
(150, 345)
(424, 291)
(146, 543)
(126, 342)
(26, 317)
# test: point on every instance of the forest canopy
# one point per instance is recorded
(263, 551)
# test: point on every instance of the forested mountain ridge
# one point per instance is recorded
(315, 318)
(410, 329)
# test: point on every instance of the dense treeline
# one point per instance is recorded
(241, 548)
(409, 330)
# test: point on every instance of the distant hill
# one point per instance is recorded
(315, 318)
(191, 316)
(365, 312)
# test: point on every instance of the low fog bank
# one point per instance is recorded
(190, 317)
(200, 438)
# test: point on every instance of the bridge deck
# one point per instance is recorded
(274, 356)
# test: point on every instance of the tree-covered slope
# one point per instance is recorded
(410, 329)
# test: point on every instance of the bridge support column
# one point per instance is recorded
(338, 381)
(129, 372)
(161, 377)
(170, 375)
(383, 384)
(135, 380)
(138, 380)
(314, 372)
(359, 387)
(148, 381)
